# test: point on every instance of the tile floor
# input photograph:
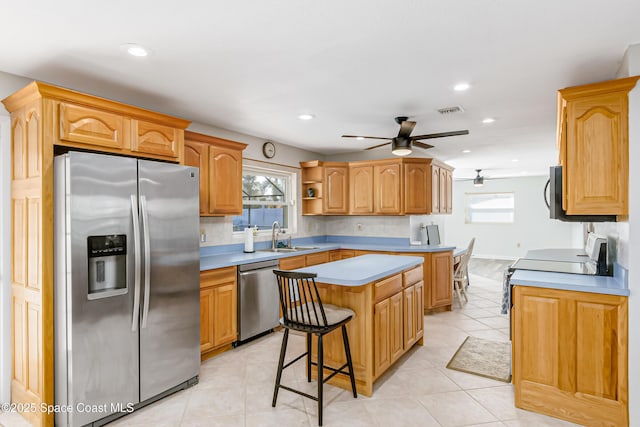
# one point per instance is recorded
(236, 387)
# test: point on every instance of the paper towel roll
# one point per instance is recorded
(248, 240)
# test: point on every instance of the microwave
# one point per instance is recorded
(554, 201)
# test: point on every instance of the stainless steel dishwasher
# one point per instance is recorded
(258, 299)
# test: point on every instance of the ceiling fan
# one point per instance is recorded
(401, 144)
(478, 181)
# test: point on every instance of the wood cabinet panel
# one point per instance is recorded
(594, 147)
(225, 181)
(207, 305)
(419, 309)
(225, 314)
(388, 286)
(448, 195)
(293, 263)
(387, 186)
(361, 189)
(91, 126)
(197, 154)
(218, 309)
(220, 163)
(410, 327)
(570, 355)
(382, 336)
(435, 189)
(441, 291)
(338, 254)
(442, 192)
(396, 339)
(416, 188)
(336, 189)
(154, 138)
(317, 258)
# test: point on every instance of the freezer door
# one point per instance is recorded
(96, 348)
(170, 319)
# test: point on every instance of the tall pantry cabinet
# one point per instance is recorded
(44, 118)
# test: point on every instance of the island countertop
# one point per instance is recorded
(361, 270)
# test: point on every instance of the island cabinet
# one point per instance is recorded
(45, 118)
(218, 310)
(220, 163)
(437, 269)
(388, 321)
(570, 355)
(593, 141)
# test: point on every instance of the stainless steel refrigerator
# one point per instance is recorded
(126, 294)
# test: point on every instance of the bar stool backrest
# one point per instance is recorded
(300, 300)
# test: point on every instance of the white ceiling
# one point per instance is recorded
(252, 66)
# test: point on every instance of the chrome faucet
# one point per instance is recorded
(274, 236)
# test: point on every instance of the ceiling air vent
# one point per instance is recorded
(451, 110)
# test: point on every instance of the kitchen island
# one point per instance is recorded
(386, 294)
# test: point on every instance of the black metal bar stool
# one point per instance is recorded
(303, 311)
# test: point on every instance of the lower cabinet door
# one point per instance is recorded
(410, 326)
(225, 314)
(206, 319)
(396, 338)
(381, 333)
(419, 308)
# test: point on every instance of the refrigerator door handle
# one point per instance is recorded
(136, 268)
(147, 261)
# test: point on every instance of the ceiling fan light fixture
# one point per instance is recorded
(401, 146)
(478, 181)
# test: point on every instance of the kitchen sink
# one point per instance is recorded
(292, 249)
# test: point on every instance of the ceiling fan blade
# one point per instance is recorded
(422, 145)
(406, 128)
(441, 135)
(377, 146)
(366, 137)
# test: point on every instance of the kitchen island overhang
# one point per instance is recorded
(386, 294)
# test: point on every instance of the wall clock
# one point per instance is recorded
(268, 149)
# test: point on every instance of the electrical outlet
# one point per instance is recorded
(359, 226)
(203, 237)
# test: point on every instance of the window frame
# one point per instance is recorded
(290, 194)
(468, 210)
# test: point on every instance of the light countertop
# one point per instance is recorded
(361, 270)
(570, 282)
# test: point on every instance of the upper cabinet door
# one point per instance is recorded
(416, 182)
(86, 125)
(594, 147)
(435, 189)
(449, 192)
(197, 154)
(336, 181)
(387, 183)
(152, 138)
(361, 189)
(225, 181)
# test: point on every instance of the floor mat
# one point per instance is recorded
(491, 359)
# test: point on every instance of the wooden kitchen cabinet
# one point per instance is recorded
(316, 258)
(312, 187)
(416, 186)
(361, 189)
(43, 118)
(218, 310)
(570, 355)
(439, 281)
(101, 125)
(388, 331)
(387, 186)
(593, 140)
(220, 163)
(441, 188)
(336, 184)
(435, 189)
(293, 262)
(448, 195)
(338, 254)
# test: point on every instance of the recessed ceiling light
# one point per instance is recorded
(466, 151)
(136, 50)
(461, 86)
(514, 160)
(488, 120)
(306, 116)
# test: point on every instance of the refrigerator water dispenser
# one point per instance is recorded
(107, 256)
